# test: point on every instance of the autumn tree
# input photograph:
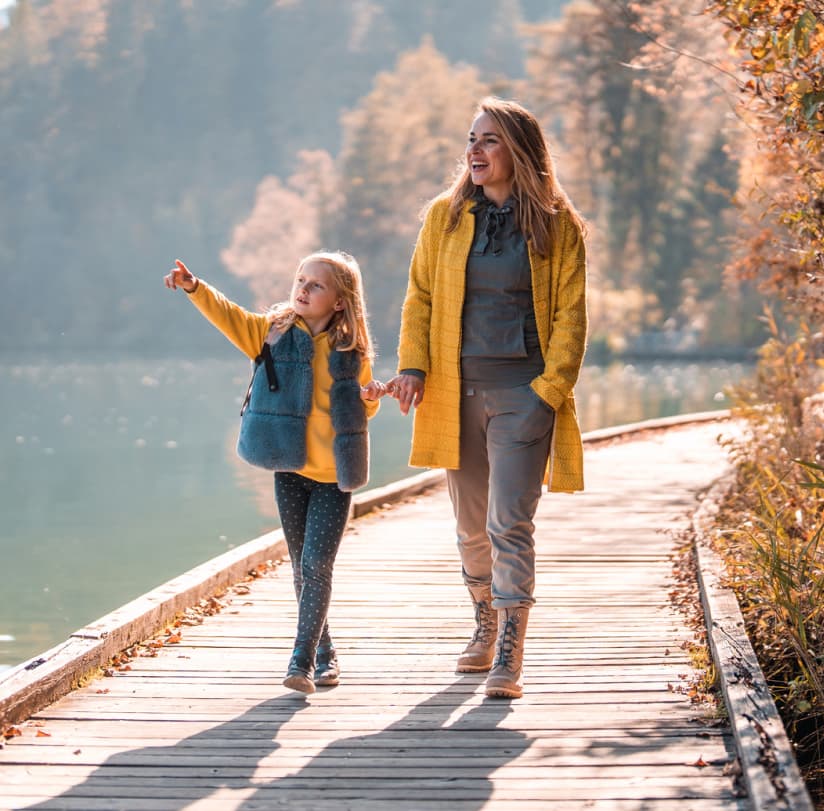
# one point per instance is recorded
(401, 144)
(282, 228)
(779, 47)
(647, 162)
(132, 133)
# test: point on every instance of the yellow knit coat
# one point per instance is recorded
(430, 339)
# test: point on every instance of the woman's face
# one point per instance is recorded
(489, 159)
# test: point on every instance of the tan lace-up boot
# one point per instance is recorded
(478, 655)
(506, 679)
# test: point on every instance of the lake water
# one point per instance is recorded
(117, 476)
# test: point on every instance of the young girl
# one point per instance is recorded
(305, 418)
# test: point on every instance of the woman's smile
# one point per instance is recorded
(489, 159)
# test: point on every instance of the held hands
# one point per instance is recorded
(373, 390)
(180, 277)
(407, 390)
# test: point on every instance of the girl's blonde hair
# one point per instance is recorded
(348, 330)
(536, 189)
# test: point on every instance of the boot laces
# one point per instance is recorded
(485, 622)
(508, 642)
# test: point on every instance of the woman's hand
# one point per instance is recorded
(407, 390)
(180, 277)
(373, 390)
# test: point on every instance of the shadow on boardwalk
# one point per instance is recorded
(345, 770)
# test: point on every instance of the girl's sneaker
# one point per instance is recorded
(299, 673)
(327, 670)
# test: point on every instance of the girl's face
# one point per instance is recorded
(489, 159)
(314, 295)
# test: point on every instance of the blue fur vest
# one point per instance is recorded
(273, 424)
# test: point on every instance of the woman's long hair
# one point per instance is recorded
(535, 187)
(348, 329)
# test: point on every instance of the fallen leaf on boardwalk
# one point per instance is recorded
(11, 732)
(108, 672)
(100, 692)
(242, 590)
(77, 751)
(261, 569)
(700, 762)
(41, 734)
(173, 639)
(120, 658)
(124, 667)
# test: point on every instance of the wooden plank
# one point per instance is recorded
(626, 783)
(376, 751)
(229, 800)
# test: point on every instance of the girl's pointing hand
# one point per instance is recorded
(180, 276)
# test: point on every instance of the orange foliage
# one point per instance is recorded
(766, 58)
(283, 227)
(778, 45)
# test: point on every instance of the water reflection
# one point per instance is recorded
(115, 477)
(622, 393)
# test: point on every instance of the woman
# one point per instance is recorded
(494, 330)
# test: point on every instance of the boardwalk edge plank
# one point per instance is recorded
(759, 732)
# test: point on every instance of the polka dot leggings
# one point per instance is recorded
(313, 516)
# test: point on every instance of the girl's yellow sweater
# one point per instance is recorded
(247, 331)
(430, 339)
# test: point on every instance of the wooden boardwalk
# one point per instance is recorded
(206, 724)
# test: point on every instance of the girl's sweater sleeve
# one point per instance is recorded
(247, 331)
